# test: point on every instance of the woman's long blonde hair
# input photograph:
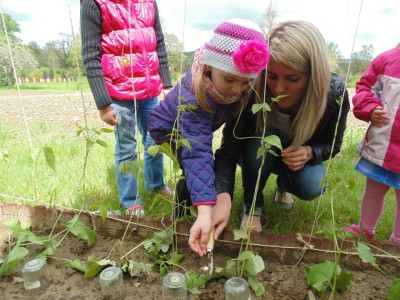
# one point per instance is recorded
(300, 46)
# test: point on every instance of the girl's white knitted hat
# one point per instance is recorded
(238, 47)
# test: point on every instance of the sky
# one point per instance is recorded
(347, 23)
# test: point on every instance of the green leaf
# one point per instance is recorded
(103, 212)
(76, 264)
(394, 291)
(79, 229)
(50, 249)
(343, 281)
(257, 286)
(240, 234)
(195, 281)
(186, 143)
(101, 143)
(364, 252)
(89, 145)
(12, 259)
(158, 243)
(138, 269)
(193, 211)
(273, 140)
(329, 229)
(50, 157)
(260, 106)
(253, 263)
(153, 150)
(94, 266)
(106, 130)
(320, 275)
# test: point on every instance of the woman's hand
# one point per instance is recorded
(296, 157)
(379, 117)
(200, 230)
(221, 212)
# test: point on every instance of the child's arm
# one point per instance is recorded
(200, 230)
(368, 89)
(221, 213)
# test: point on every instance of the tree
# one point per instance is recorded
(12, 26)
(334, 56)
(362, 59)
(268, 20)
(176, 56)
(23, 58)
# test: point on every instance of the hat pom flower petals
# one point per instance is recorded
(251, 57)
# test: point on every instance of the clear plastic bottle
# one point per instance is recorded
(174, 286)
(112, 283)
(236, 288)
(35, 276)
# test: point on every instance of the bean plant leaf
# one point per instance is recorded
(101, 143)
(260, 106)
(76, 264)
(364, 252)
(394, 291)
(195, 281)
(50, 157)
(158, 242)
(320, 275)
(273, 140)
(329, 229)
(137, 269)
(253, 263)
(89, 145)
(257, 286)
(240, 234)
(343, 281)
(106, 130)
(95, 265)
(50, 249)
(82, 231)
(12, 259)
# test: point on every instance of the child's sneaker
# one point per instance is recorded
(359, 232)
(285, 199)
(167, 191)
(136, 210)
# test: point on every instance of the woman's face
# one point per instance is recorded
(227, 84)
(285, 81)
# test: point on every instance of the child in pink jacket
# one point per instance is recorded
(377, 100)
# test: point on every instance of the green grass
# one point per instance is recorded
(64, 186)
(72, 86)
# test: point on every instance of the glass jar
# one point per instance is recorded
(174, 286)
(35, 276)
(112, 282)
(236, 288)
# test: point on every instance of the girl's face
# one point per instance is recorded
(227, 84)
(285, 81)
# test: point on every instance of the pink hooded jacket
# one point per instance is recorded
(380, 86)
(129, 59)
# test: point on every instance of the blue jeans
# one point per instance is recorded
(304, 184)
(125, 150)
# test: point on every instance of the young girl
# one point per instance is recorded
(206, 98)
(377, 100)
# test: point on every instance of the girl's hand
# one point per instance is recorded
(221, 212)
(200, 230)
(107, 114)
(379, 117)
(296, 157)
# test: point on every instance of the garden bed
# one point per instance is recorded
(284, 257)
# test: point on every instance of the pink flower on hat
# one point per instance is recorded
(251, 57)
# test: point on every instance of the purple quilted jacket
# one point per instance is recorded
(197, 126)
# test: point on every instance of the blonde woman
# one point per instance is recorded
(304, 119)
